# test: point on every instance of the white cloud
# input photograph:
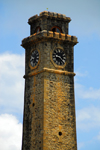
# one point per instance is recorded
(91, 93)
(88, 118)
(10, 132)
(11, 82)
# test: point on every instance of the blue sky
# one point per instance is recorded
(85, 25)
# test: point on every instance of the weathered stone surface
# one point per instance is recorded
(46, 20)
(49, 106)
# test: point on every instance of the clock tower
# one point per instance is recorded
(49, 121)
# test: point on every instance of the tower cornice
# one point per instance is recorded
(47, 35)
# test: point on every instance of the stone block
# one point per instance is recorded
(56, 35)
(44, 33)
(62, 36)
(63, 16)
(74, 38)
(44, 13)
(30, 20)
(68, 19)
(55, 14)
(50, 14)
(50, 33)
(68, 37)
(58, 15)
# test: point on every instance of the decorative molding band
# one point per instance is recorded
(59, 72)
(51, 71)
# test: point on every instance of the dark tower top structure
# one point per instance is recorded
(47, 21)
(49, 107)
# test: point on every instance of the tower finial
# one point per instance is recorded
(47, 9)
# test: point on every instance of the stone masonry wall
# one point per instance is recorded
(45, 49)
(49, 117)
(59, 113)
(33, 113)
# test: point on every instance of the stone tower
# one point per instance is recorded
(49, 107)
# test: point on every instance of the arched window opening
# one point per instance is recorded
(37, 30)
(56, 29)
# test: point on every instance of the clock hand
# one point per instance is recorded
(60, 58)
(32, 58)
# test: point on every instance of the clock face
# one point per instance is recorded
(59, 57)
(34, 58)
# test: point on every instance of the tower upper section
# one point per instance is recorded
(49, 21)
(49, 26)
